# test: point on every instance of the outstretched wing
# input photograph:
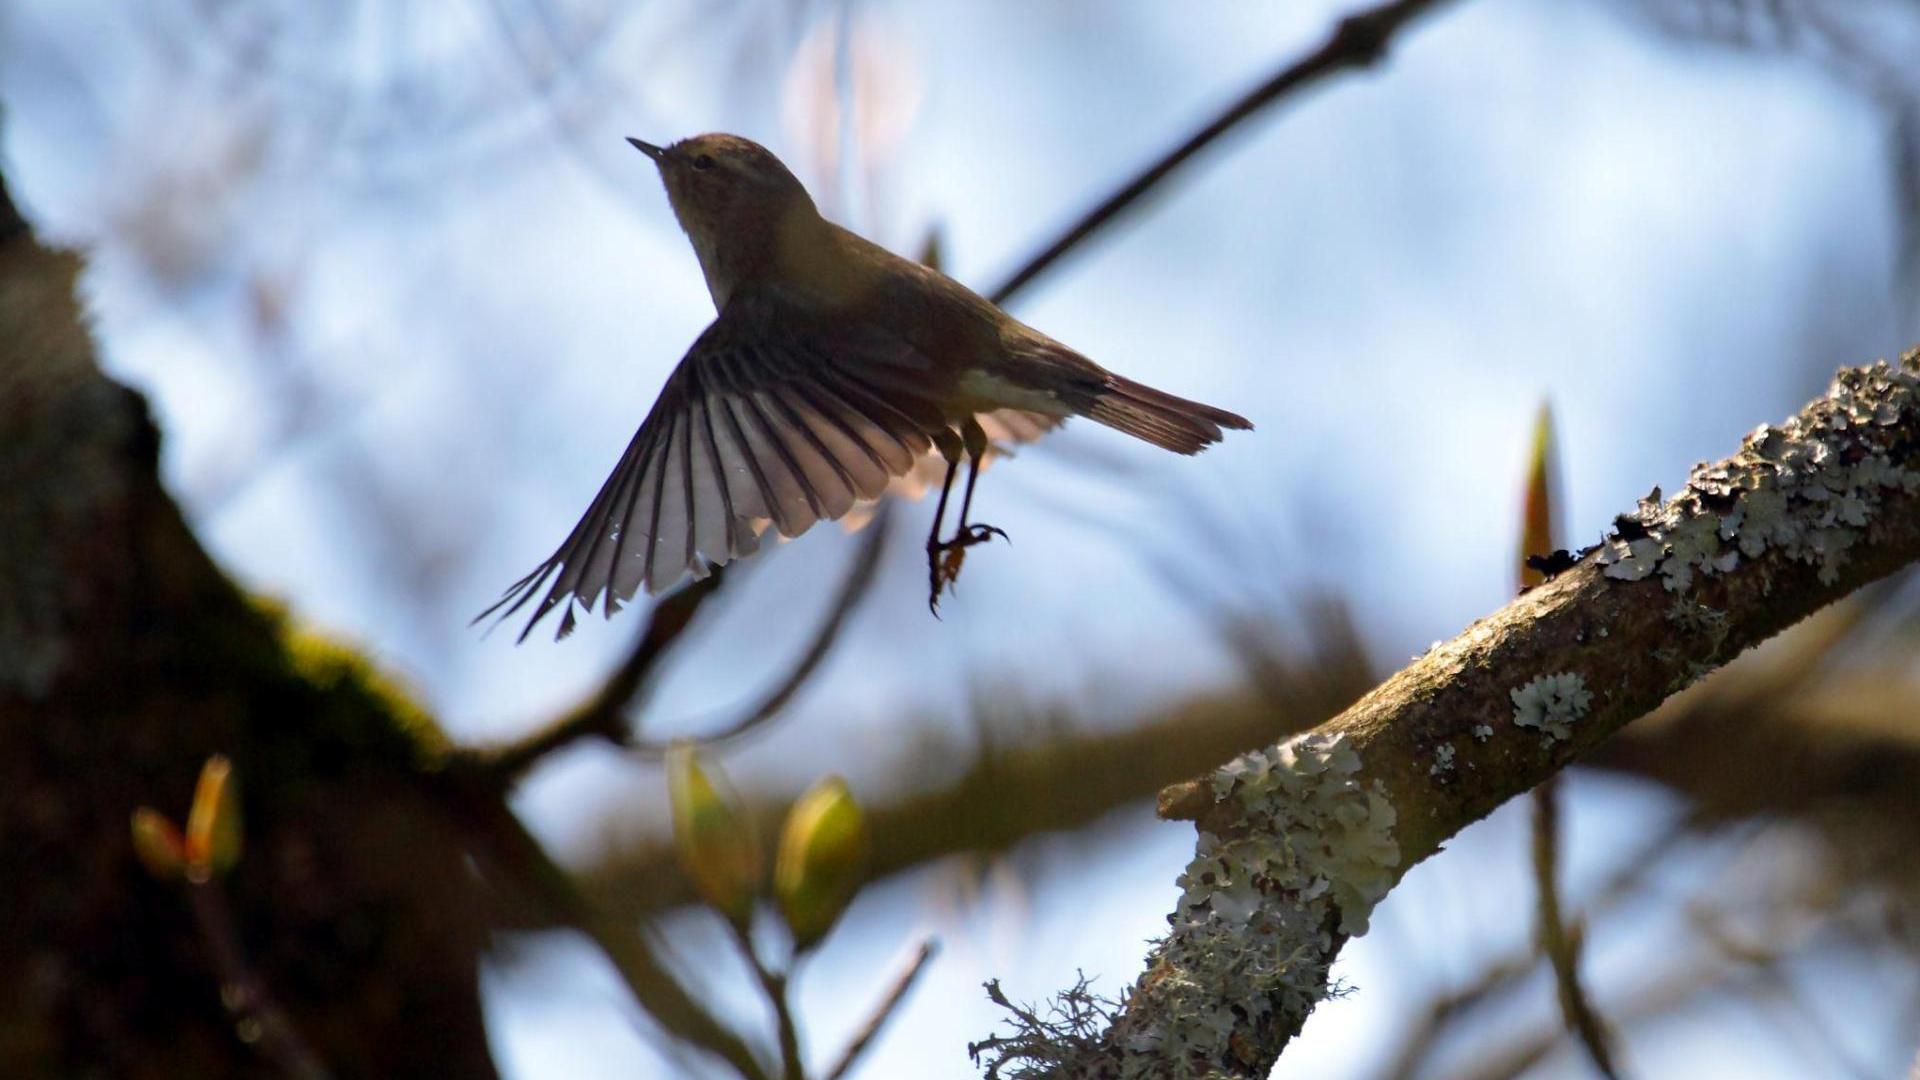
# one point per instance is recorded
(766, 420)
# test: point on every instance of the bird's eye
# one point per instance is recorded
(703, 162)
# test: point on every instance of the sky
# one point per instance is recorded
(400, 293)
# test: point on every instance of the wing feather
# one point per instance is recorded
(745, 433)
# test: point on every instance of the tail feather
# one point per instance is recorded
(1172, 423)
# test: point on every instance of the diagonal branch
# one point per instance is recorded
(1359, 40)
(853, 588)
(869, 1031)
(602, 715)
(1297, 842)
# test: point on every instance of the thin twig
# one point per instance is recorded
(1561, 947)
(1505, 974)
(774, 985)
(260, 1020)
(853, 588)
(1357, 41)
(888, 1005)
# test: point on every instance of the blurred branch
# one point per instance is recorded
(773, 984)
(603, 715)
(1679, 588)
(1866, 46)
(519, 857)
(1561, 946)
(256, 1014)
(1357, 41)
(1654, 999)
(1503, 975)
(853, 589)
(1006, 794)
(884, 1011)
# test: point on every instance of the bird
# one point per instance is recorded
(832, 367)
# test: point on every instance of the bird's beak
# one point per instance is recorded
(647, 148)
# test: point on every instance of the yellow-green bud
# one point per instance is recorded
(717, 843)
(213, 825)
(822, 859)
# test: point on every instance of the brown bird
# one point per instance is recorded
(833, 367)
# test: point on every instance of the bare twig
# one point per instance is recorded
(884, 1012)
(853, 588)
(260, 1020)
(774, 985)
(1505, 974)
(1561, 947)
(1358, 40)
(1656, 998)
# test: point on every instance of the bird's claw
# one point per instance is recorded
(980, 534)
(945, 557)
(943, 571)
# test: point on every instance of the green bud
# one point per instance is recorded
(213, 824)
(822, 860)
(717, 843)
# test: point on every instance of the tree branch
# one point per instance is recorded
(1065, 782)
(602, 715)
(884, 1011)
(1359, 40)
(514, 854)
(853, 589)
(1297, 842)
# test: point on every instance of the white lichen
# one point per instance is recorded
(1483, 732)
(1442, 760)
(1309, 851)
(1551, 703)
(1806, 489)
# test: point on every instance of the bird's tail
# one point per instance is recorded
(1173, 423)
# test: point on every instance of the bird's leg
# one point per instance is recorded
(938, 576)
(968, 534)
(944, 557)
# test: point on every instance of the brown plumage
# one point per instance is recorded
(834, 366)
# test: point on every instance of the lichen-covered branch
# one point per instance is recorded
(1299, 841)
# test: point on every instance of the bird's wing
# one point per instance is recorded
(768, 419)
(1005, 428)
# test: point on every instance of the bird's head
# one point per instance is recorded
(732, 196)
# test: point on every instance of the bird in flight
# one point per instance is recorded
(833, 367)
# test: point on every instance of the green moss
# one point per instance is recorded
(358, 701)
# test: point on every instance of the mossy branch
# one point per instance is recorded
(1299, 841)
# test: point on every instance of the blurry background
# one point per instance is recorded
(400, 293)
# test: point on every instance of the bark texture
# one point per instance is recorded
(126, 658)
